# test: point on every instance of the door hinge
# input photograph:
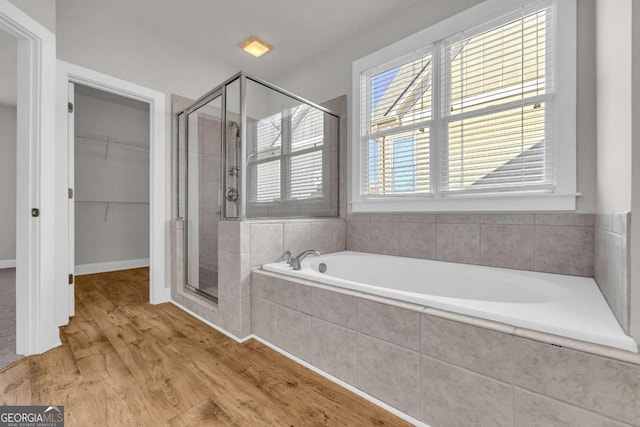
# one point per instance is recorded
(70, 107)
(71, 279)
(71, 193)
(35, 212)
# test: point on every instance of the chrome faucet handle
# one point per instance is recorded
(295, 263)
(288, 256)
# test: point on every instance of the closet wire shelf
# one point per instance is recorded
(107, 204)
(138, 146)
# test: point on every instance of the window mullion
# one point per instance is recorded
(437, 136)
(285, 164)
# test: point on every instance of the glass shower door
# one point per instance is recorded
(203, 163)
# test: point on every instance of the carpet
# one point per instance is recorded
(8, 317)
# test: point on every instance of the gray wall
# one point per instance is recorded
(43, 11)
(7, 183)
(613, 22)
(122, 176)
(635, 170)
(617, 58)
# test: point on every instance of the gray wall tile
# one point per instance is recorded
(564, 250)
(390, 373)
(234, 276)
(604, 221)
(384, 218)
(293, 295)
(478, 349)
(394, 324)
(358, 217)
(574, 219)
(283, 292)
(418, 240)
(417, 217)
(458, 243)
(334, 350)
(609, 266)
(327, 236)
(294, 332)
(619, 221)
(596, 383)
(458, 218)
(266, 243)
(235, 314)
(508, 218)
(533, 410)
(264, 318)
(452, 396)
(384, 238)
(357, 235)
(335, 307)
(297, 236)
(510, 246)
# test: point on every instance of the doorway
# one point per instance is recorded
(8, 155)
(109, 181)
(113, 201)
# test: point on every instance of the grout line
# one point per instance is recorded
(565, 402)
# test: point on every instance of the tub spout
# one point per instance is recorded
(295, 262)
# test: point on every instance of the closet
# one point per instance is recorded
(110, 181)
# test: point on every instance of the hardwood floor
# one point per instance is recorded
(125, 362)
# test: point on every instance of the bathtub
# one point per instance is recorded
(566, 306)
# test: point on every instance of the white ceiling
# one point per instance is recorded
(8, 69)
(298, 29)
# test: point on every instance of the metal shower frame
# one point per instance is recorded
(221, 91)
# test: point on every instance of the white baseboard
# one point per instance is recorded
(7, 263)
(103, 267)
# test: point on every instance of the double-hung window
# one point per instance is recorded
(479, 114)
(287, 161)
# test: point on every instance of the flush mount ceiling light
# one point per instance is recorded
(255, 46)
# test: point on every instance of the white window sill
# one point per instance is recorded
(470, 203)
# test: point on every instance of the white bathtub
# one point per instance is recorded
(561, 305)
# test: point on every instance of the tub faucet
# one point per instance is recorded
(295, 261)
(288, 256)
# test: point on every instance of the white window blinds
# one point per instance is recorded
(395, 143)
(496, 101)
(471, 113)
(288, 161)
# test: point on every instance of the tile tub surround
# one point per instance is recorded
(441, 368)
(269, 239)
(560, 243)
(612, 262)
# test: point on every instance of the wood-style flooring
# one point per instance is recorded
(125, 362)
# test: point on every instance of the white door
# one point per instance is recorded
(72, 213)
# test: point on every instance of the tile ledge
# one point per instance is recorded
(304, 282)
(471, 320)
(583, 346)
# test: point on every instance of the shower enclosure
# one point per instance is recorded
(249, 150)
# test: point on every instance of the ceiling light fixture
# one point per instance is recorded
(255, 46)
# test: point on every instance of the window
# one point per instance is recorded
(288, 160)
(481, 110)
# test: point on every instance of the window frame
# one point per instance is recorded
(284, 159)
(563, 193)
